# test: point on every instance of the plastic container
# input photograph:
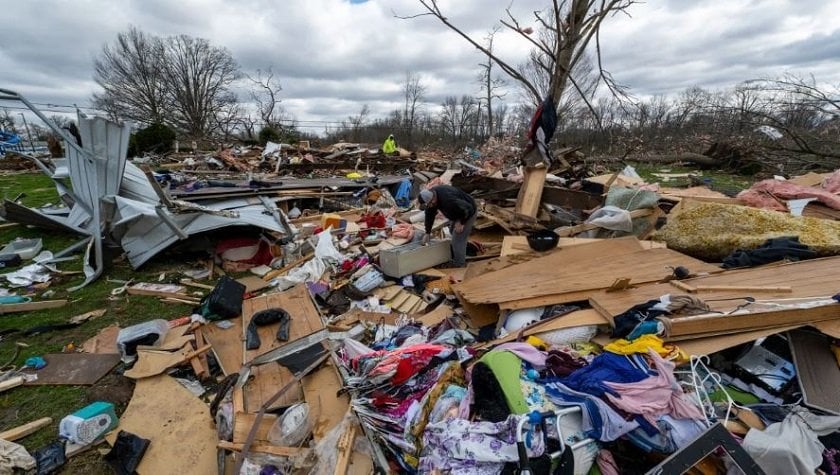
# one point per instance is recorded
(25, 248)
(292, 428)
(147, 333)
(89, 423)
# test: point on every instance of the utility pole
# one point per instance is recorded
(26, 126)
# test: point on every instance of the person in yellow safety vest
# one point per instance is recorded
(390, 145)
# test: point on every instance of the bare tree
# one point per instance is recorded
(414, 92)
(266, 96)
(458, 117)
(490, 84)
(132, 74)
(198, 79)
(573, 25)
(180, 81)
(358, 120)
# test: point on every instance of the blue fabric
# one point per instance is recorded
(607, 367)
(402, 196)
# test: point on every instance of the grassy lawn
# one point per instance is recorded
(24, 404)
(725, 183)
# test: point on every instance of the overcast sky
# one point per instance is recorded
(333, 56)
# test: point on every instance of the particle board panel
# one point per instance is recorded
(227, 345)
(811, 278)
(547, 276)
(270, 377)
(178, 424)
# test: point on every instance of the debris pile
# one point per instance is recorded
(621, 327)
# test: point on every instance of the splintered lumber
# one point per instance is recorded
(154, 362)
(578, 269)
(530, 195)
(22, 431)
(268, 377)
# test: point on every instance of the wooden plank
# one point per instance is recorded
(530, 194)
(268, 377)
(345, 449)
(586, 267)
(11, 383)
(157, 290)
(264, 449)
(327, 408)
(754, 320)
(178, 424)
(31, 306)
(227, 345)
(22, 431)
(744, 288)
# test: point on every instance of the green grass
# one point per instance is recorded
(723, 182)
(24, 404)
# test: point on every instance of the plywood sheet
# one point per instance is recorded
(811, 278)
(327, 408)
(253, 283)
(581, 271)
(74, 369)
(269, 378)
(242, 423)
(227, 345)
(530, 194)
(179, 426)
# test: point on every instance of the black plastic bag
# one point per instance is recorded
(127, 452)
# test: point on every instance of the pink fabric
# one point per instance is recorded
(525, 352)
(655, 396)
(758, 195)
(403, 230)
(832, 183)
(606, 463)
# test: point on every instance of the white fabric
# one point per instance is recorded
(14, 456)
(791, 446)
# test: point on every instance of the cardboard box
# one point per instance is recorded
(412, 257)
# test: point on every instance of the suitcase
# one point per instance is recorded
(224, 301)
